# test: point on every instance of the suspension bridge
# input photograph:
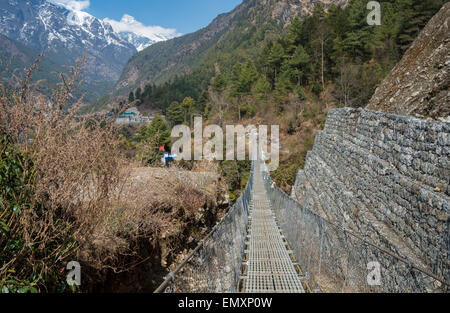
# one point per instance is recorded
(269, 264)
(269, 243)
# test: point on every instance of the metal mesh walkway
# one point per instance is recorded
(269, 264)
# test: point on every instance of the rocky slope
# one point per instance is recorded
(15, 57)
(419, 84)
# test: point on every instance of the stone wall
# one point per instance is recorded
(386, 177)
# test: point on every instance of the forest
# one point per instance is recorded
(332, 58)
(333, 50)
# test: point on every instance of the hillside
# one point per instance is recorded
(230, 38)
(331, 58)
(15, 58)
(419, 83)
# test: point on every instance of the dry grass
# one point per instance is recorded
(68, 154)
(87, 203)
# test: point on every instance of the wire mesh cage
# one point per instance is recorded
(214, 266)
(335, 259)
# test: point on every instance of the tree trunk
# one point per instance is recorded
(323, 80)
(239, 108)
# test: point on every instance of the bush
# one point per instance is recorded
(58, 173)
(15, 199)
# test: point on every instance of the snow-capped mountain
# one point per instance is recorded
(67, 34)
(138, 34)
(139, 42)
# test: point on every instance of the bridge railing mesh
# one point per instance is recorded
(334, 259)
(214, 266)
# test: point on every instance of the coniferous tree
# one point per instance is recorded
(131, 97)
(219, 83)
(175, 114)
(187, 105)
(139, 93)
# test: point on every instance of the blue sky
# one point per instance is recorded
(183, 15)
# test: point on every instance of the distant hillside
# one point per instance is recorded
(230, 38)
(15, 57)
(419, 84)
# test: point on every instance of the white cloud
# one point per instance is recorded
(76, 5)
(129, 24)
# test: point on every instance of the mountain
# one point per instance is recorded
(231, 37)
(139, 42)
(42, 25)
(419, 83)
(66, 35)
(15, 57)
(139, 35)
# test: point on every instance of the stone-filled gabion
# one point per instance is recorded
(385, 176)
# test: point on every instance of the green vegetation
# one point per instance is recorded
(15, 175)
(236, 174)
(175, 114)
(291, 76)
(334, 47)
(331, 58)
(21, 242)
(150, 138)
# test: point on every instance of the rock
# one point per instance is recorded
(443, 217)
(422, 77)
(403, 207)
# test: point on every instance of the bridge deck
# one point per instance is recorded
(269, 266)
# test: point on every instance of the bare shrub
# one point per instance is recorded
(75, 171)
(75, 197)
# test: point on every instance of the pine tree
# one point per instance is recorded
(416, 14)
(294, 33)
(175, 113)
(247, 77)
(139, 93)
(202, 102)
(131, 97)
(276, 58)
(187, 105)
(298, 62)
(235, 79)
(150, 138)
(219, 83)
(262, 86)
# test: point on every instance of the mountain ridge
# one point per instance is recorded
(16, 57)
(244, 28)
(139, 35)
(67, 35)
